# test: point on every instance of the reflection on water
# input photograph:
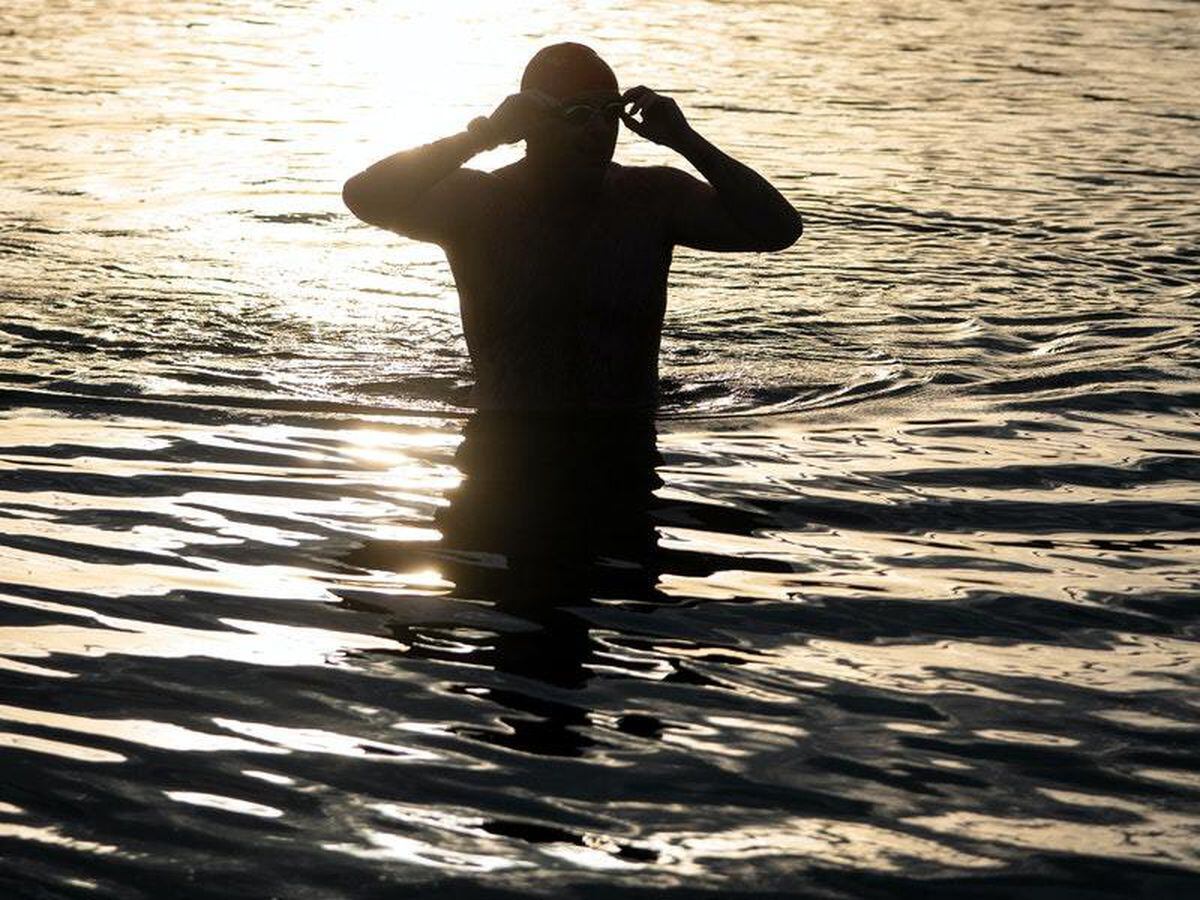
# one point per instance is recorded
(897, 599)
(553, 516)
(575, 652)
(550, 515)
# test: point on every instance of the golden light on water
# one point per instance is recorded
(243, 641)
(911, 600)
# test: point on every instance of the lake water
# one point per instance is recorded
(899, 596)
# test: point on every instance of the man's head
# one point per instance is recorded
(567, 70)
(582, 135)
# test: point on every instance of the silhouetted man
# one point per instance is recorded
(561, 258)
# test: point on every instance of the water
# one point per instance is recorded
(897, 597)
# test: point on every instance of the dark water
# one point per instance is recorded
(899, 597)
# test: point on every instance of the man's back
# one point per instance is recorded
(562, 303)
(561, 259)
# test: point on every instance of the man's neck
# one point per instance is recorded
(562, 187)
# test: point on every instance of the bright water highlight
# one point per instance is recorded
(897, 597)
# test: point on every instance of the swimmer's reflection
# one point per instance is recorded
(553, 514)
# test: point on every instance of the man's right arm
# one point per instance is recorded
(422, 193)
(425, 193)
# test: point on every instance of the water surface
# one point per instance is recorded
(897, 597)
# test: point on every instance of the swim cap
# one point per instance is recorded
(566, 70)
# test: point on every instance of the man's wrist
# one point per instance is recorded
(687, 141)
(483, 134)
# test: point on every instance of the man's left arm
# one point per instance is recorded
(737, 209)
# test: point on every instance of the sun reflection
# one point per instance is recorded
(419, 70)
(173, 225)
(248, 642)
(58, 748)
(135, 731)
(228, 804)
(1159, 837)
(399, 848)
(1133, 663)
(52, 835)
(599, 858)
(317, 740)
(270, 777)
(857, 845)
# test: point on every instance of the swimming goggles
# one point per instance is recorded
(580, 114)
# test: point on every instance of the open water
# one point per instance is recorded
(898, 597)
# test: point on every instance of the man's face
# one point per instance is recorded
(581, 134)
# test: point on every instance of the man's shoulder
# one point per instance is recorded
(652, 175)
(659, 186)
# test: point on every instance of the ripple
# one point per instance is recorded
(897, 595)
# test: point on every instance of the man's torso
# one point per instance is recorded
(562, 307)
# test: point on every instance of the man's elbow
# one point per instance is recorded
(355, 197)
(363, 199)
(785, 234)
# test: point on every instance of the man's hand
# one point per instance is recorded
(515, 117)
(737, 210)
(661, 121)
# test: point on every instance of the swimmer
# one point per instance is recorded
(561, 258)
